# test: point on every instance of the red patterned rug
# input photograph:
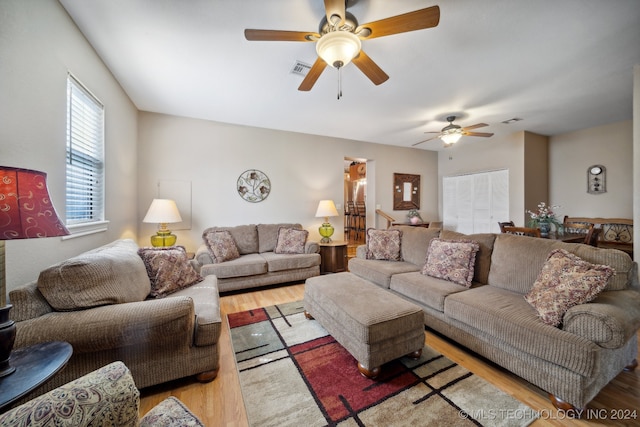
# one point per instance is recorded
(293, 373)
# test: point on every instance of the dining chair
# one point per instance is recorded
(505, 224)
(581, 228)
(522, 231)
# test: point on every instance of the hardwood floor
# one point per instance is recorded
(219, 403)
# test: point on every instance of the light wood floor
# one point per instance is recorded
(219, 403)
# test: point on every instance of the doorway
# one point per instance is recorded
(355, 202)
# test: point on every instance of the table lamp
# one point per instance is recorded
(326, 208)
(26, 212)
(163, 212)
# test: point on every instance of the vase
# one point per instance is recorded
(414, 220)
(545, 228)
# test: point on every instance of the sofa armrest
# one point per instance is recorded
(311, 247)
(105, 397)
(165, 322)
(609, 321)
(203, 256)
(361, 252)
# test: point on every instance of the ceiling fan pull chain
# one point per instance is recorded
(339, 82)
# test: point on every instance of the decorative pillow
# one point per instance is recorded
(221, 246)
(291, 241)
(169, 270)
(566, 280)
(384, 244)
(451, 260)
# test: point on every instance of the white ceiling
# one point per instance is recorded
(561, 65)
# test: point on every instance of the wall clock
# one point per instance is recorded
(253, 185)
(596, 179)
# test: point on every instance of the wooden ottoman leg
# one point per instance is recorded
(308, 315)
(368, 373)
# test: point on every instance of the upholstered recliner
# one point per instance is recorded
(105, 397)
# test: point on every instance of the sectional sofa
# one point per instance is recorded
(573, 360)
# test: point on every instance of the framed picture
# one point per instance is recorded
(406, 191)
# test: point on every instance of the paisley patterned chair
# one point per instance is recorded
(105, 397)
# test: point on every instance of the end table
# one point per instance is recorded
(333, 256)
(34, 365)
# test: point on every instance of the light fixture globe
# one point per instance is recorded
(451, 137)
(338, 48)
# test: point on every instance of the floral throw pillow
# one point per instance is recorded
(566, 280)
(451, 260)
(169, 270)
(384, 244)
(221, 246)
(291, 241)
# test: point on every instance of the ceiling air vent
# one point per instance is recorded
(513, 120)
(300, 68)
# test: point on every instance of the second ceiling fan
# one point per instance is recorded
(451, 133)
(338, 40)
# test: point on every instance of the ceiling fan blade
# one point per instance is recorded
(485, 134)
(418, 143)
(280, 36)
(412, 21)
(476, 126)
(370, 68)
(313, 74)
(335, 7)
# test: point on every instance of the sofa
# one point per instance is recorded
(146, 307)
(250, 256)
(106, 397)
(572, 360)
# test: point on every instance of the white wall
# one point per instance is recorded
(303, 169)
(572, 153)
(39, 44)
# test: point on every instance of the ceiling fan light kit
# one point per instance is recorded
(451, 133)
(338, 48)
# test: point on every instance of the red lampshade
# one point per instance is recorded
(26, 211)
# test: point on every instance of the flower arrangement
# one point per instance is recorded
(414, 216)
(544, 215)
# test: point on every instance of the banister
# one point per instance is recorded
(386, 216)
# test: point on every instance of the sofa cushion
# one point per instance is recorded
(483, 257)
(281, 262)
(511, 322)
(425, 290)
(291, 241)
(415, 242)
(110, 274)
(268, 235)
(245, 236)
(168, 269)
(451, 260)
(246, 265)
(566, 280)
(384, 244)
(221, 246)
(379, 271)
(625, 269)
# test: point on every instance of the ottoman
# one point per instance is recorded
(374, 325)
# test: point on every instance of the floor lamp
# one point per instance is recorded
(26, 212)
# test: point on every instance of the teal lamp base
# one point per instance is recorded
(326, 231)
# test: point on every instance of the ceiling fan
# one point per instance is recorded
(338, 40)
(451, 133)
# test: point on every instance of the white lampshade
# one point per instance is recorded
(162, 211)
(451, 138)
(326, 208)
(338, 48)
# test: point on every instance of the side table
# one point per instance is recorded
(333, 257)
(34, 365)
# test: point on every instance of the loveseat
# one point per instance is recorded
(146, 307)
(573, 360)
(106, 397)
(248, 256)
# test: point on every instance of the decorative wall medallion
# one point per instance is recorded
(253, 185)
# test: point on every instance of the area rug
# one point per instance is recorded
(293, 373)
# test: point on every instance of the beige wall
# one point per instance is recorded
(303, 170)
(39, 44)
(572, 153)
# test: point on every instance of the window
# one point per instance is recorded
(85, 156)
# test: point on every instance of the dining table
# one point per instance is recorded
(566, 237)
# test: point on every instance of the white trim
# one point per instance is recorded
(79, 230)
